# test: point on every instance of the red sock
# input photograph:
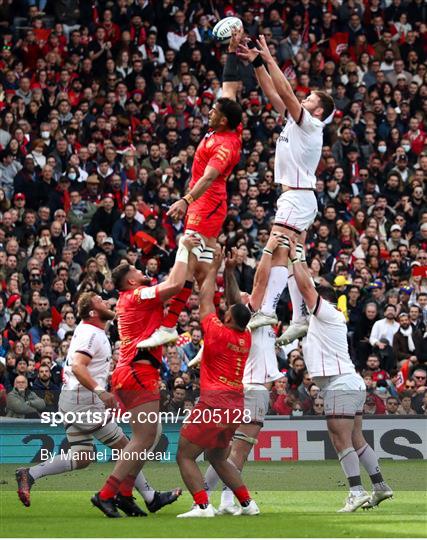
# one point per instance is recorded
(110, 488)
(177, 305)
(217, 299)
(242, 494)
(126, 486)
(201, 497)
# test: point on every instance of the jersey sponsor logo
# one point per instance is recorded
(283, 138)
(235, 348)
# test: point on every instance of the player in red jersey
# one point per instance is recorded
(135, 380)
(206, 201)
(213, 421)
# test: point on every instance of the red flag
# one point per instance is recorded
(419, 271)
(338, 43)
(145, 242)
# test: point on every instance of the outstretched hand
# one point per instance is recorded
(264, 51)
(236, 38)
(218, 257)
(231, 260)
(246, 53)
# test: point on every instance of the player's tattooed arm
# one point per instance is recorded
(283, 88)
(262, 273)
(232, 291)
(207, 290)
(304, 282)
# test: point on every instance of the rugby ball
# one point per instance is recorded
(222, 29)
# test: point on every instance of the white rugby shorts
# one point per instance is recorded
(257, 399)
(296, 209)
(86, 427)
(344, 395)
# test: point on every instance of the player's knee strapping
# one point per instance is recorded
(207, 256)
(198, 250)
(109, 434)
(283, 240)
(239, 436)
(300, 252)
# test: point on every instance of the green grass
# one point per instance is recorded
(296, 500)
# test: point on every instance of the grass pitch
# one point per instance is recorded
(295, 499)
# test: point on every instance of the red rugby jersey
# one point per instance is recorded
(139, 314)
(224, 357)
(221, 151)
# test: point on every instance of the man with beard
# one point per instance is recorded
(135, 380)
(84, 392)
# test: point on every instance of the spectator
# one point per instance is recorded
(392, 405)
(193, 347)
(407, 341)
(176, 404)
(384, 329)
(46, 389)
(22, 402)
(405, 404)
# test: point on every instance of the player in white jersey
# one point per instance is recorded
(84, 395)
(298, 151)
(260, 372)
(329, 364)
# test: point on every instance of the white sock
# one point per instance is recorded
(299, 309)
(211, 479)
(349, 461)
(369, 460)
(277, 281)
(58, 465)
(144, 488)
(227, 496)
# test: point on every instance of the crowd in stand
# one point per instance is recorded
(102, 106)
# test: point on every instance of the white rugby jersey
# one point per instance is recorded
(325, 347)
(93, 342)
(261, 365)
(298, 151)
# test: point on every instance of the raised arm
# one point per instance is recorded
(233, 294)
(281, 84)
(207, 290)
(263, 77)
(231, 75)
(262, 273)
(303, 279)
(176, 279)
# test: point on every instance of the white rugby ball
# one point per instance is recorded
(222, 29)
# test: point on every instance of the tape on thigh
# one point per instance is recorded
(79, 440)
(109, 434)
(239, 436)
